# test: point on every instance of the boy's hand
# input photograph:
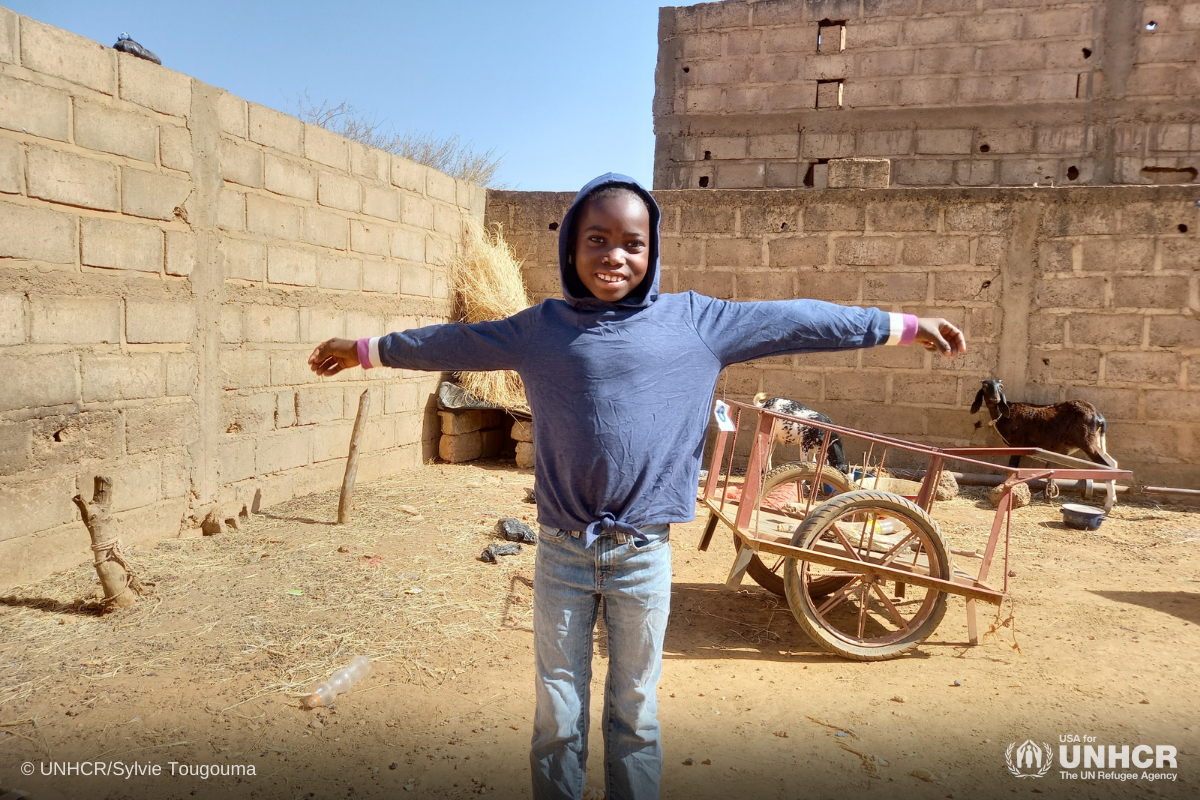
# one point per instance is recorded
(938, 334)
(334, 355)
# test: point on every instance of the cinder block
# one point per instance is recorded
(827, 145)
(241, 163)
(944, 142)
(931, 251)
(263, 323)
(902, 216)
(74, 320)
(318, 404)
(231, 210)
(157, 426)
(319, 324)
(1174, 331)
(900, 287)
(1047, 329)
(71, 179)
(928, 91)
(946, 60)
(10, 23)
(181, 374)
(99, 127)
(272, 217)
(1124, 253)
(370, 162)
(860, 36)
(380, 276)
(998, 27)
(416, 280)
(859, 173)
(741, 176)
(931, 30)
(12, 319)
(1025, 172)
(181, 253)
(383, 202)
(464, 447)
(326, 147)
(153, 86)
(872, 94)
(986, 89)
(456, 423)
(331, 441)
(799, 251)
(1170, 406)
(1013, 56)
(339, 272)
(884, 63)
(764, 285)
(337, 191)
(416, 211)
(975, 173)
(12, 167)
(292, 266)
(1005, 140)
(990, 251)
(360, 325)
(1069, 293)
(408, 245)
(121, 245)
(1148, 292)
(522, 430)
(408, 174)
(447, 219)
(122, 377)
(369, 237)
(275, 129)
(244, 259)
(1056, 257)
(232, 114)
(248, 413)
(1106, 329)
(175, 147)
(440, 186)
(325, 229)
(32, 506)
(865, 251)
(289, 178)
(151, 322)
(283, 450)
(151, 195)
(56, 52)
(834, 217)
(37, 234)
(46, 380)
(1076, 219)
(1159, 368)
(1063, 86)
(244, 369)
(525, 455)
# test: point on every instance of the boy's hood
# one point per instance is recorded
(573, 289)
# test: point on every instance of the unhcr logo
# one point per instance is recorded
(1028, 759)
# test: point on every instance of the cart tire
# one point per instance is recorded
(821, 626)
(770, 576)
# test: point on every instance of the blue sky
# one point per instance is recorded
(562, 90)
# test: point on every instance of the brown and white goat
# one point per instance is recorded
(789, 431)
(1059, 428)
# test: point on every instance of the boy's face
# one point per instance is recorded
(612, 247)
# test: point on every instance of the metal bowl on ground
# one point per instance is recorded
(1081, 517)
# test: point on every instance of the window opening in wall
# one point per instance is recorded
(703, 181)
(983, 148)
(831, 36)
(829, 93)
(1087, 52)
(1072, 172)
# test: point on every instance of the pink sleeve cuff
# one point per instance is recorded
(909, 333)
(368, 353)
(903, 329)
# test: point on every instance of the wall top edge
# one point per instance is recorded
(1085, 194)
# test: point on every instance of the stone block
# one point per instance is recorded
(865, 251)
(283, 450)
(895, 288)
(324, 229)
(1106, 329)
(65, 55)
(957, 287)
(456, 423)
(1069, 293)
(153, 86)
(272, 218)
(275, 129)
(103, 128)
(525, 455)
(74, 320)
(153, 427)
(370, 162)
(10, 24)
(181, 374)
(339, 272)
(12, 319)
(464, 447)
(1124, 253)
(37, 234)
(31, 506)
(733, 252)
(175, 147)
(1056, 366)
(833, 287)
(416, 280)
(252, 413)
(1158, 368)
(337, 191)
(408, 174)
(319, 324)
(71, 179)
(288, 178)
(319, 404)
(1063, 86)
(1175, 331)
(944, 141)
(12, 167)
(133, 376)
(231, 210)
(121, 245)
(326, 147)
(232, 115)
(1147, 292)
(181, 253)
(799, 251)
(46, 380)
(440, 186)
(381, 202)
(859, 173)
(416, 212)
(774, 146)
(241, 163)
(902, 216)
(372, 238)
(932, 251)
(522, 430)
(380, 276)
(291, 266)
(923, 172)
(153, 195)
(263, 323)
(244, 259)
(937, 91)
(408, 245)
(713, 284)
(827, 145)
(244, 369)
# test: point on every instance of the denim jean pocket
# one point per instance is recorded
(656, 536)
(548, 534)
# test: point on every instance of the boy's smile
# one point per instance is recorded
(612, 247)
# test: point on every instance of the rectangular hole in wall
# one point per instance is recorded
(831, 36)
(829, 93)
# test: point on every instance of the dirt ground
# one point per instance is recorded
(207, 672)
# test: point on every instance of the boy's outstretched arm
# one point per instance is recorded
(334, 355)
(935, 333)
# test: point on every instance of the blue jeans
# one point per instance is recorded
(569, 581)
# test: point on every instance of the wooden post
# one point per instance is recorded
(360, 423)
(121, 586)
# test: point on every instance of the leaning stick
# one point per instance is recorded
(360, 423)
(121, 586)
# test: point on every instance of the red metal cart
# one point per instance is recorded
(867, 573)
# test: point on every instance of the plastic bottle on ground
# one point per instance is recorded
(324, 693)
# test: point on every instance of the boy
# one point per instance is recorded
(619, 379)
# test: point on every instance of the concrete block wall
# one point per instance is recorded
(1089, 292)
(961, 93)
(169, 255)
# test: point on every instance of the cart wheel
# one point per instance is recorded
(795, 480)
(865, 619)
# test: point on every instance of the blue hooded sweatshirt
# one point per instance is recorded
(621, 392)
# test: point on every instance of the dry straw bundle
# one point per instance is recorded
(488, 286)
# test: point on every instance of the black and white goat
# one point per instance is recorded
(1059, 428)
(807, 437)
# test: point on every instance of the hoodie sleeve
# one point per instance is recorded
(737, 332)
(457, 346)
